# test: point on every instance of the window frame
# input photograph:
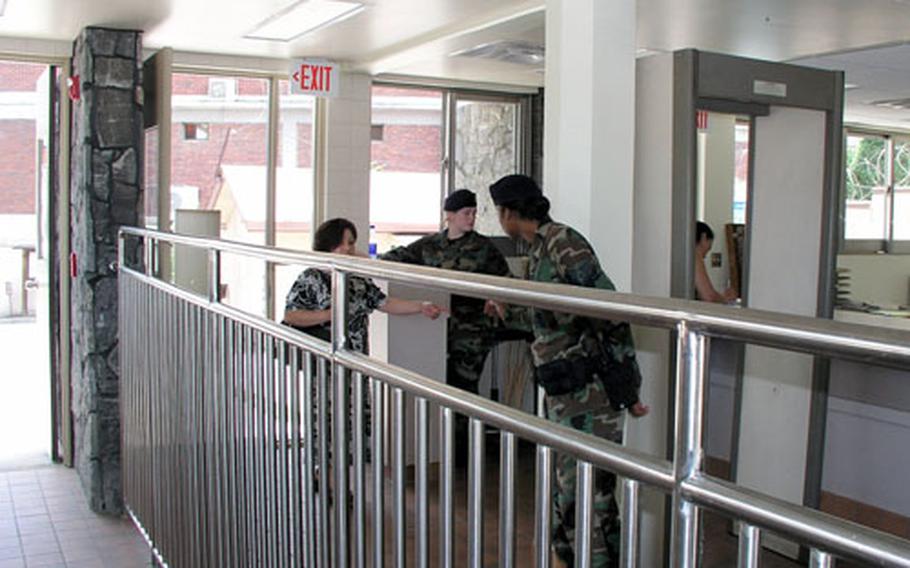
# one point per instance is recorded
(887, 244)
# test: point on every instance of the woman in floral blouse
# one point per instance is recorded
(309, 303)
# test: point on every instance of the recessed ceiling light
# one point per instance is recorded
(303, 16)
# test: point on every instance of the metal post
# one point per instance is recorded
(446, 485)
(749, 546)
(398, 481)
(630, 524)
(543, 508)
(359, 481)
(340, 418)
(508, 455)
(584, 503)
(820, 559)
(378, 475)
(475, 494)
(421, 505)
(690, 375)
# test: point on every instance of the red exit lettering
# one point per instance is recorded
(314, 77)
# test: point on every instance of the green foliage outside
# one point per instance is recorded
(867, 163)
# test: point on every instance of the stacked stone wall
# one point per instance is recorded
(105, 194)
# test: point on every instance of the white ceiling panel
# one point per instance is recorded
(416, 37)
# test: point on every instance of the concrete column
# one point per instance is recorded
(590, 124)
(105, 193)
(347, 155)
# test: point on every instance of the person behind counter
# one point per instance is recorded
(587, 367)
(308, 307)
(704, 290)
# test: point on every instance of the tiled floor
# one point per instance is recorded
(45, 521)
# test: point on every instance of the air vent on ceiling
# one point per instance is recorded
(518, 52)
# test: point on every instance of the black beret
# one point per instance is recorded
(515, 187)
(459, 200)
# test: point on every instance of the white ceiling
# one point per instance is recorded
(415, 37)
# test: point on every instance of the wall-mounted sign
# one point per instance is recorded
(769, 88)
(315, 77)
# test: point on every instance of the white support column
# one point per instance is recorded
(347, 155)
(589, 124)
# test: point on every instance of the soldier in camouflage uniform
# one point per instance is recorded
(587, 367)
(470, 333)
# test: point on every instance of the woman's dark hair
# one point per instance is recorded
(702, 229)
(532, 208)
(330, 234)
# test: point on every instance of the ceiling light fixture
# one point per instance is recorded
(302, 17)
(2, 7)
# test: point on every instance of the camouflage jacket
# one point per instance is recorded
(560, 254)
(313, 291)
(471, 252)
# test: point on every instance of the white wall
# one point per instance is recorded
(881, 279)
(651, 271)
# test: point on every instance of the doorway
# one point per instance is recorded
(27, 155)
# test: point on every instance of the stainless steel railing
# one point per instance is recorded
(227, 419)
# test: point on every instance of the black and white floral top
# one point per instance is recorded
(313, 291)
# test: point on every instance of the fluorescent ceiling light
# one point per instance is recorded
(2, 7)
(303, 16)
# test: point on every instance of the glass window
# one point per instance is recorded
(223, 171)
(294, 184)
(405, 164)
(867, 160)
(901, 212)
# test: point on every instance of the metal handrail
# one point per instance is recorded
(772, 329)
(692, 321)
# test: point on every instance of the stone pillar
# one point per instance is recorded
(105, 193)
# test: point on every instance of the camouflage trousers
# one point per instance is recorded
(467, 350)
(589, 411)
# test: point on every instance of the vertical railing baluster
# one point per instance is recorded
(322, 480)
(309, 461)
(340, 417)
(297, 523)
(398, 480)
(475, 493)
(278, 360)
(691, 350)
(749, 545)
(378, 431)
(422, 505)
(584, 505)
(508, 458)
(359, 436)
(820, 559)
(543, 499)
(630, 523)
(446, 488)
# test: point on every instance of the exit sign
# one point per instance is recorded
(315, 77)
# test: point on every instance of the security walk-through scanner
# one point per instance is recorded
(790, 243)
